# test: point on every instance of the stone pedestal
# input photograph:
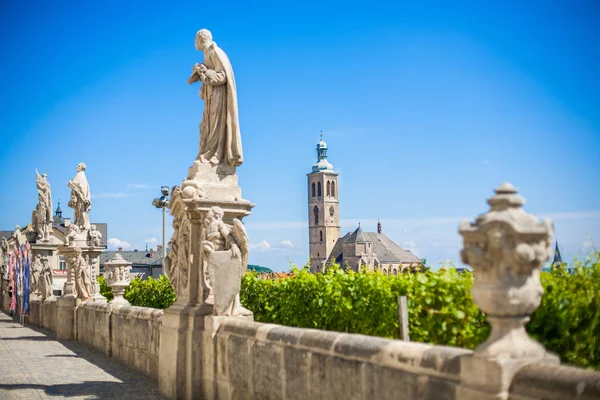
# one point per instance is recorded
(65, 317)
(506, 248)
(186, 345)
(91, 254)
(35, 312)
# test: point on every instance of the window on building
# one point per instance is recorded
(313, 189)
(328, 188)
(321, 235)
(316, 213)
(319, 189)
(61, 263)
(331, 211)
(332, 189)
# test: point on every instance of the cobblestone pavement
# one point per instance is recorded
(35, 366)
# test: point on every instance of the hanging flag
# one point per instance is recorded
(26, 250)
(13, 283)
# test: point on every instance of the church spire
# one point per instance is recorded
(322, 164)
(378, 226)
(557, 257)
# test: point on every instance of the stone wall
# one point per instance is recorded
(237, 358)
(93, 326)
(135, 337)
(268, 361)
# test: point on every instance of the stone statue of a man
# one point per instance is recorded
(80, 200)
(41, 217)
(220, 139)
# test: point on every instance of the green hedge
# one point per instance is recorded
(440, 307)
(154, 293)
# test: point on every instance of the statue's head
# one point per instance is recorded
(81, 166)
(217, 212)
(93, 227)
(77, 251)
(203, 39)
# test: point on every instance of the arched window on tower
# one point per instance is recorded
(313, 189)
(321, 235)
(333, 189)
(319, 189)
(328, 188)
(316, 213)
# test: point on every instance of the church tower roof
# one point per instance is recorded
(358, 236)
(58, 211)
(557, 256)
(322, 165)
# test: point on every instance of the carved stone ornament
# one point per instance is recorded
(506, 248)
(116, 273)
(225, 252)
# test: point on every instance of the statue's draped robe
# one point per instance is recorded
(81, 189)
(220, 139)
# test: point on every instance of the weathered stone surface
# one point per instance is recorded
(240, 370)
(49, 311)
(388, 384)
(553, 382)
(297, 373)
(65, 318)
(35, 313)
(360, 346)
(93, 326)
(319, 339)
(267, 370)
(135, 337)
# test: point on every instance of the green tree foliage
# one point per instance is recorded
(155, 293)
(259, 269)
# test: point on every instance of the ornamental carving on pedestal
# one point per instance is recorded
(506, 248)
(116, 273)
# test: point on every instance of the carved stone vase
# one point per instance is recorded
(116, 274)
(506, 248)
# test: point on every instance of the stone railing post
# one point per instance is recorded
(506, 248)
(116, 274)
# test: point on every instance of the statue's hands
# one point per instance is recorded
(199, 68)
(235, 251)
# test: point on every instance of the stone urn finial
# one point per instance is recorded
(506, 248)
(116, 273)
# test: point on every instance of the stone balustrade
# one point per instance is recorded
(231, 357)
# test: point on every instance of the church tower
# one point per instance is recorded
(323, 209)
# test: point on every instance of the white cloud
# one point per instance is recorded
(263, 246)
(288, 243)
(410, 244)
(588, 244)
(151, 240)
(109, 195)
(139, 186)
(114, 244)
(572, 215)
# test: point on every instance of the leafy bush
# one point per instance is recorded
(155, 293)
(104, 289)
(440, 306)
(568, 320)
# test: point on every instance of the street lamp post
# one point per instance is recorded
(163, 202)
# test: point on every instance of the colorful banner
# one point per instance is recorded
(12, 263)
(26, 251)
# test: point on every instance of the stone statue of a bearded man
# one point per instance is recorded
(220, 139)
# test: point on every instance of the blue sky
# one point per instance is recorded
(426, 108)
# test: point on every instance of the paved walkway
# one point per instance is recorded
(35, 366)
